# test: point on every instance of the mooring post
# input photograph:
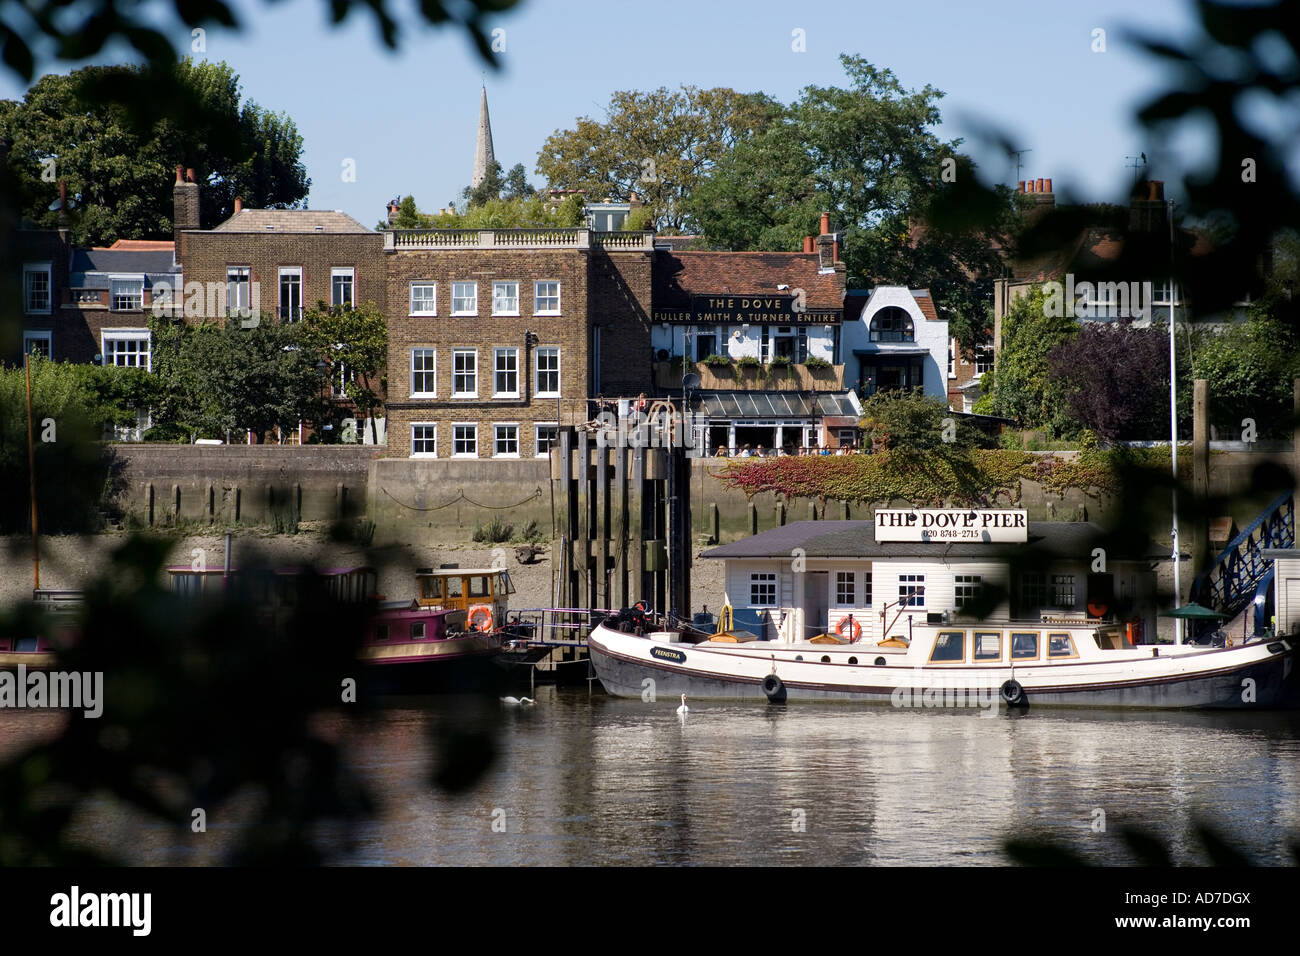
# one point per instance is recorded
(637, 521)
(148, 493)
(752, 514)
(603, 515)
(715, 524)
(587, 512)
(176, 501)
(620, 525)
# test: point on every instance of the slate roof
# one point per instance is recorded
(91, 268)
(291, 220)
(857, 539)
(679, 275)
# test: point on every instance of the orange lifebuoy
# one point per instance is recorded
(853, 627)
(480, 613)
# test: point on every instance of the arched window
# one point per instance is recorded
(892, 324)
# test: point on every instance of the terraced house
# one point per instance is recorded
(498, 337)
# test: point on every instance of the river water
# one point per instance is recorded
(585, 779)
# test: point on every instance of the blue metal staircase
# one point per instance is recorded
(1241, 571)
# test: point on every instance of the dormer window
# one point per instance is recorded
(892, 324)
(126, 293)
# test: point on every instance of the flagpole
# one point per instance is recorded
(1173, 425)
(31, 474)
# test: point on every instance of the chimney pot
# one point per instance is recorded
(1040, 186)
(1049, 185)
(807, 244)
(1022, 186)
(826, 223)
(1157, 189)
(1029, 185)
(189, 176)
(239, 204)
(180, 173)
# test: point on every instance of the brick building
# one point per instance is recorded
(498, 337)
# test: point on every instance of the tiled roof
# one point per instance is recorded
(291, 220)
(926, 303)
(679, 275)
(142, 245)
(124, 261)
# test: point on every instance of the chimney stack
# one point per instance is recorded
(239, 204)
(1147, 212)
(185, 205)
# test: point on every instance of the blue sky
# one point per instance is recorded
(408, 118)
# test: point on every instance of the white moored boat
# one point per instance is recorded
(947, 666)
(941, 607)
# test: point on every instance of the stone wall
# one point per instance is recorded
(227, 483)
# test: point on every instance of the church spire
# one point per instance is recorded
(483, 155)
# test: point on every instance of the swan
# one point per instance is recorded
(683, 710)
(517, 701)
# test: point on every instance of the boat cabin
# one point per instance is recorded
(463, 589)
(849, 580)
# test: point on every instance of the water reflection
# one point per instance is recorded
(585, 780)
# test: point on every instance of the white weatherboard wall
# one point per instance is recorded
(931, 335)
(1286, 595)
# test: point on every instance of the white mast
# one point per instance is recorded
(1173, 424)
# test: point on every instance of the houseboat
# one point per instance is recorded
(927, 605)
(61, 609)
(447, 639)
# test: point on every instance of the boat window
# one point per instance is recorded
(988, 645)
(417, 630)
(431, 588)
(454, 587)
(948, 646)
(1060, 645)
(478, 586)
(381, 632)
(504, 584)
(1024, 646)
(26, 645)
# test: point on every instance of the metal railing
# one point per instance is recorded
(1240, 568)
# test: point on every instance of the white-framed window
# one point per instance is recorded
(126, 348)
(1167, 293)
(36, 287)
(464, 373)
(290, 293)
(505, 373)
(464, 298)
(464, 440)
(866, 589)
(424, 298)
(342, 282)
(545, 435)
(911, 590)
(983, 358)
(547, 362)
(424, 440)
(762, 589)
(846, 589)
(952, 358)
(546, 297)
(38, 342)
(424, 368)
(505, 298)
(505, 440)
(966, 589)
(126, 293)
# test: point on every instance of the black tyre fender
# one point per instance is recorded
(774, 688)
(1013, 695)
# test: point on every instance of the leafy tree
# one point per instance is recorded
(355, 341)
(120, 167)
(1249, 368)
(517, 185)
(910, 206)
(487, 190)
(1115, 380)
(76, 475)
(659, 144)
(215, 379)
(911, 424)
(1023, 387)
